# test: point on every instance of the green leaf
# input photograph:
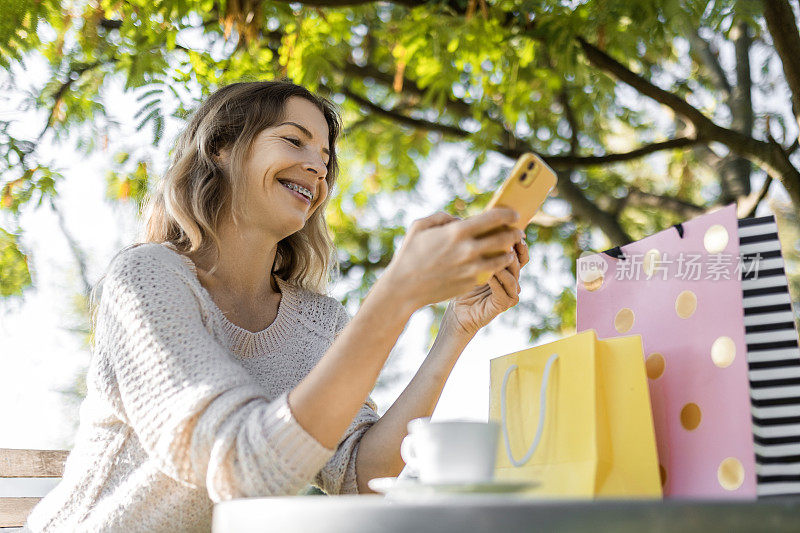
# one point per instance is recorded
(14, 274)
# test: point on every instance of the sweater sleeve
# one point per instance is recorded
(338, 476)
(196, 411)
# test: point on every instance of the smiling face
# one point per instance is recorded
(285, 173)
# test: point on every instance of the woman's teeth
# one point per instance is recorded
(302, 190)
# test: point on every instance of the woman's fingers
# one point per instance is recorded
(522, 253)
(495, 286)
(456, 254)
(520, 259)
(487, 221)
(511, 298)
(497, 242)
(514, 267)
(436, 219)
(509, 282)
(483, 269)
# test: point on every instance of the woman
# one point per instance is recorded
(220, 370)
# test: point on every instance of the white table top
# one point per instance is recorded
(500, 513)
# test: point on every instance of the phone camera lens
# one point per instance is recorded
(523, 177)
(530, 165)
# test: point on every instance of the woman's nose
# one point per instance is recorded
(318, 168)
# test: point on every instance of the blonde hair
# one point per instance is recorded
(195, 194)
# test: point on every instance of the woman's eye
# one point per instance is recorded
(295, 142)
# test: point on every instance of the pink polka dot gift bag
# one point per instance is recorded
(710, 300)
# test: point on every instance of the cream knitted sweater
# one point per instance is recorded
(185, 409)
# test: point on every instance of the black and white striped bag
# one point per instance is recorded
(773, 358)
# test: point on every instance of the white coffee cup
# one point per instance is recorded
(451, 451)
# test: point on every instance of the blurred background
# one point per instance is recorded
(651, 112)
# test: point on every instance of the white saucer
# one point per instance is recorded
(391, 486)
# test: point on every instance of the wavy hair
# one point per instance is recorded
(195, 194)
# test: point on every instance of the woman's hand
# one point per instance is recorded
(443, 257)
(474, 310)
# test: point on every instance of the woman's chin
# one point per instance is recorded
(293, 226)
(282, 222)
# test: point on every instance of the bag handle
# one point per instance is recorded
(542, 411)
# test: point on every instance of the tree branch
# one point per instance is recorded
(569, 116)
(454, 105)
(62, 90)
(568, 190)
(733, 171)
(558, 162)
(564, 161)
(608, 64)
(770, 156)
(404, 119)
(740, 102)
(747, 207)
(583, 207)
(589, 211)
(783, 28)
(460, 107)
(710, 59)
(639, 198)
(77, 252)
(110, 24)
(452, 4)
(794, 146)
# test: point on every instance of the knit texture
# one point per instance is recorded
(185, 409)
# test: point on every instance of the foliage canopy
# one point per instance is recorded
(652, 112)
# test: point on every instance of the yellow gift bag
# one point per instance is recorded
(575, 416)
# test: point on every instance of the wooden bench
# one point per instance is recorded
(26, 464)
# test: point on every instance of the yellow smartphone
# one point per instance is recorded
(525, 188)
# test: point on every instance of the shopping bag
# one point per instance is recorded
(679, 290)
(575, 417)
(773, 358)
